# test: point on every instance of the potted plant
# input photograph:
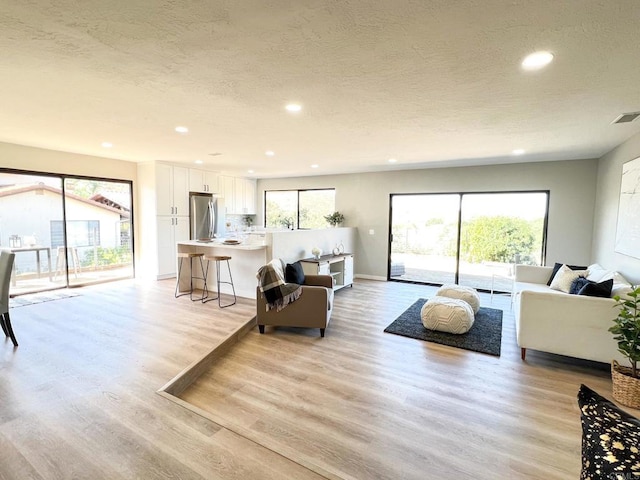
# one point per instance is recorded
(335, 219)
(626, 381)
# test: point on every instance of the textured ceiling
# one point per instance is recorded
(429, 82)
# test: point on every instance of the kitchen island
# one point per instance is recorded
(246, 259)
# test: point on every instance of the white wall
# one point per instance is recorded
(364, 200)
(606, 210)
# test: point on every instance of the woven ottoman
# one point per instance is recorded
(467, 294)
(447, 315)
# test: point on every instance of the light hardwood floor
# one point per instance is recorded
(78, 397)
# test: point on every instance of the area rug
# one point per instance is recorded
(23, 300)
(485, 335)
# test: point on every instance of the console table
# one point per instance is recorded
(340, 267)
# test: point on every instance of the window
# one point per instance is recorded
(298, 208)
(81, 233)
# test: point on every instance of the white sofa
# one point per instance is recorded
(556, 322)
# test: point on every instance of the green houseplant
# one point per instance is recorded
(335, 219)
(626, 331)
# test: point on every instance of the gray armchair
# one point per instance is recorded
(311, 310)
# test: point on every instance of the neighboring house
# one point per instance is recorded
(35, 211)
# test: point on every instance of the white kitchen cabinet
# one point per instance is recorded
(170, 231)
(239, 195)
(244, 196)
(227, 190)
(163, 217)
(171, 190)
(340, 267)
(203, 181)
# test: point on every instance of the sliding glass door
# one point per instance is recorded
(424, 238)
(473, 239)
(98, 227)
(65, 231)
(28, 205)
(498, 231)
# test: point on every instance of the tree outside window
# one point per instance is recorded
(303, 209)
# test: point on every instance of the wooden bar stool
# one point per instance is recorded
(193, 277)
(218, 259)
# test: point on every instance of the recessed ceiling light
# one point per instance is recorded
(392, 160)
(517, 151)
(537, 60)
(293, 107)
(249, 171)
(107, 144)
(182, 129)
(199, 162)
(315, 165)
(269, 153)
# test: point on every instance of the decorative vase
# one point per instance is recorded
(316, 253)
(626, 389)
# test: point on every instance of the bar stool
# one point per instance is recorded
(191, 256)
(218, 259)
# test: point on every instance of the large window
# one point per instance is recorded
(472, 239)
(298, 208)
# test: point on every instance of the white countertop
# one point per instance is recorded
(219, 244)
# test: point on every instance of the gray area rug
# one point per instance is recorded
(485, 335)
(30, 299)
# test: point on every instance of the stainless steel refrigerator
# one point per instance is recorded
(206, 215)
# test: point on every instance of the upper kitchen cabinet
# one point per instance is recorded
(171, 190)
(239, 195)
(227, 190)
(203, 181)
(245, 192)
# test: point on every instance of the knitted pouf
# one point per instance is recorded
(467, 294)
(447, 315)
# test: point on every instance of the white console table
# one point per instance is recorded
(340, 267)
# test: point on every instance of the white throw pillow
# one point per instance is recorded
(596, 272)
(564, 278)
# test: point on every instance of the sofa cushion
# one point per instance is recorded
(596, 272)
(293, 273)
(577, 285)
(557, 266)
(610, 438)
(593, 289)
(565, 277)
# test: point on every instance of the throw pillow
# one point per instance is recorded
(293, 273)
(557, 266)
(565, 277)
(577, 285)
(602, 289)
(610, 438)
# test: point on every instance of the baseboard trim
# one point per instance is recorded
(371, 277)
